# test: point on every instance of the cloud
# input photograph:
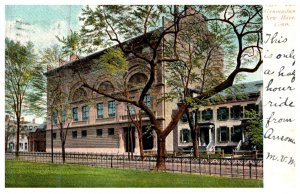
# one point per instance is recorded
(41, 37)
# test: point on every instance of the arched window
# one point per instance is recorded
(106, 87)
(79, 94)
(137, 80)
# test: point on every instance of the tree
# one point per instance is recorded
(22, 75)
(112, 24)
(49, 59)
(200, 66)
(254, 130)
(58, 107)
(70, 44)
(136, 119)
(59, 111)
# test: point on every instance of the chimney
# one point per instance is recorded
(33, 121)
(61, 62)
(73, 57)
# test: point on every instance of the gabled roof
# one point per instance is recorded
(243, 88)
(96, 54)
(239, 91)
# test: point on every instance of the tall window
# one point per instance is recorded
(184, 118)
(147, 100)
(54, 135)
(74, 134)
(99, 132)
(83, 133)
(25, 146)
(85, 112)
(223, 134)
(131, 107)
(54, 118)
(63, 116)
(21, 146)
(236, 133)
(100, 110)
(223, 113)
(185, 136)
(75, 114)
(236, 112)
(111, 131)
(207, 114)
(112, 108)
(250, 108)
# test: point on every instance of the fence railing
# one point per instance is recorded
(230, 167)
(255, 154)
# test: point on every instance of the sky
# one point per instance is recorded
(42, 23)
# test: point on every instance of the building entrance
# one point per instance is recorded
(129, 136)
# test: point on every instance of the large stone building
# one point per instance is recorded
(101, 124)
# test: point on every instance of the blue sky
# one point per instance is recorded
(45, 22)
(44, 15)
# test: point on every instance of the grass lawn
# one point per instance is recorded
(28, 174)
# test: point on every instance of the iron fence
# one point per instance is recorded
(230, 167)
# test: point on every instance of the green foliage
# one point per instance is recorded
(27, 174)
(23, 79)
(254, 129)
(113, 62)
(107, 22)
(49, 57)
(71, 44)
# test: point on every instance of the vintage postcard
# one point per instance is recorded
(125, 95)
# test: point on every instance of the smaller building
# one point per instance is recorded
(37, 139)
(221, 123)
(11, 132)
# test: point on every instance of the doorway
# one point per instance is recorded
(204, 136)
(129, 135)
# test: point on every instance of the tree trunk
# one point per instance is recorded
(63, 151)
(18, 135)
(194, 134)
(131, 142)
(140, 135)
(6, 141)
(51, 140)
(161, 153)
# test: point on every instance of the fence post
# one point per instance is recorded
(250, 173)
(220, 166)
(173, 163)
(209, 165)
(231, 166)
(243, 167)
(256, 168)
(181, 165)
(190, 165)
(199, 164)
(111, 161)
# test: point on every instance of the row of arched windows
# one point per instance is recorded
(136, 80)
